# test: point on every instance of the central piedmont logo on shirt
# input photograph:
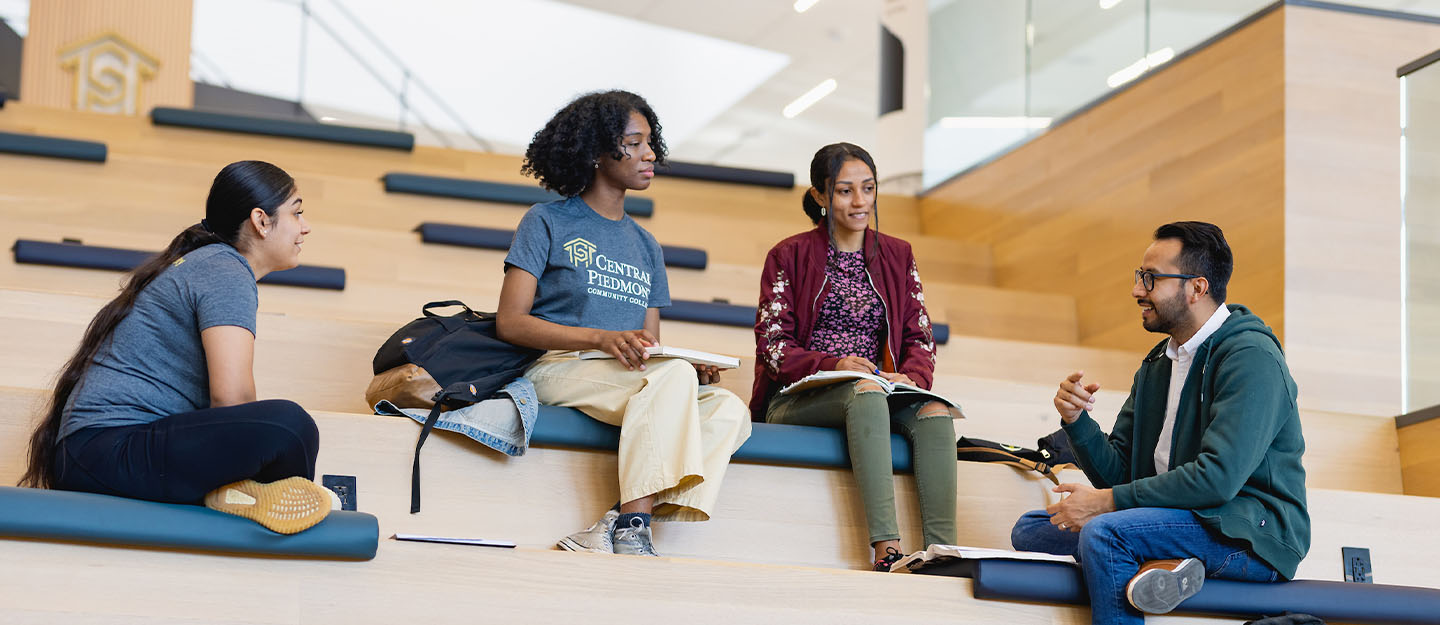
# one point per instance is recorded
(609, 278)
(580, 251)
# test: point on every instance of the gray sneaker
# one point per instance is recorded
(634, 540)
(1161, 585)
(596, 539)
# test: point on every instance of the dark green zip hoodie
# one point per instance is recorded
(1235, 461)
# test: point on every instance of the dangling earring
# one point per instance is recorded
(822, 211)
(597, 164)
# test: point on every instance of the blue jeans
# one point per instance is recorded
(1112, 546)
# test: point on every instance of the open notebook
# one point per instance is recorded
(943, 552)
(693, 355)
(898, 392)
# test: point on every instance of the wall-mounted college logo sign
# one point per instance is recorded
(581, 252)
(108, 73)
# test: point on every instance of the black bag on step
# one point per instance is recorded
(463, 353)
(980, 450)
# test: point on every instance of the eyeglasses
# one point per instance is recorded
(1147, 278)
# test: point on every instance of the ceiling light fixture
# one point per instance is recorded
(810, 98)
(1134, 70)
(1108, 4)
(802, 6)
(972, 123)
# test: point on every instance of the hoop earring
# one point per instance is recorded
(822, 211)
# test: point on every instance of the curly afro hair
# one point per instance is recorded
(563, 153)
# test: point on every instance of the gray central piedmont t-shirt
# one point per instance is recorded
(153, 365)
(591, 272)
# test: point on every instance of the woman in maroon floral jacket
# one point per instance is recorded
(843, 297)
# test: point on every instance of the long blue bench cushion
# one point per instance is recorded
(769, 443)
(247, 124)
(485, 191)
(715, 173)
(742, 316)
(1054, 582)
(498, 239)
(54, 147)
(88, 518)
(118, 259)
(709, 312)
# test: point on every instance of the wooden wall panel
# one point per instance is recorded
(1073, 210)
(1420, 458)
(1342, 205)
(158, 28)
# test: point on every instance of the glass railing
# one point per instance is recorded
(1420, 202)
(1001, 73)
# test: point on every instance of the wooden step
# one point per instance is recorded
(390, 273)
(173, 193)
(1005, 387)
(808, 516)
(313, 162)
(428, 583)
(767, 514)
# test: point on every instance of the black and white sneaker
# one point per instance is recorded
(892, 555)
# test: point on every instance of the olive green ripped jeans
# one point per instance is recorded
(864, 411)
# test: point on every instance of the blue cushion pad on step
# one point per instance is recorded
(486, 191)
(246, 124)
(737, 175)
(118, 259)
(54, 147)
(769, 443)
(1053, 582)
(499, 239)
(88, 518)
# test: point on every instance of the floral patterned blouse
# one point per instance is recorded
(852, 316)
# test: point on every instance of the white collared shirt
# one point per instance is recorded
(1180, 358)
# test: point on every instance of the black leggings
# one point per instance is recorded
(181, 457)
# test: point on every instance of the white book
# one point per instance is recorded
(972, 553)
(693, 355)
(826, 378)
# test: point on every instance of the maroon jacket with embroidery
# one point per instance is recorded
(793, 286)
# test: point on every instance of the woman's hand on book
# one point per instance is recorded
(627, 346)
(855, 363)
(707, 374)
(897, 378)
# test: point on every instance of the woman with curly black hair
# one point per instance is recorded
(582, 275)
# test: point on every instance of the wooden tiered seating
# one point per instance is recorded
(776, 524)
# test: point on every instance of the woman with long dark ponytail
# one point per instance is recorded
(843, 297)
(158, 402)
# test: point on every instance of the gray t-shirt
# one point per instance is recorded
(591, 272)
(153, 365)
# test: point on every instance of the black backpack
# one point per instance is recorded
(1052, 453)
(464, 355)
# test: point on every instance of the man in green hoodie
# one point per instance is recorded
(1201, 475)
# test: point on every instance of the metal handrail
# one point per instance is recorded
(400, 93)
(408, 76)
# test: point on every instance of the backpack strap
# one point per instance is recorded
(459, 390)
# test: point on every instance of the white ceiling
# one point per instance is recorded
(833, 39)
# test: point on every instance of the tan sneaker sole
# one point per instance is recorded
(285, 506)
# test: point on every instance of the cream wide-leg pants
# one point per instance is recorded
(676, 436)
